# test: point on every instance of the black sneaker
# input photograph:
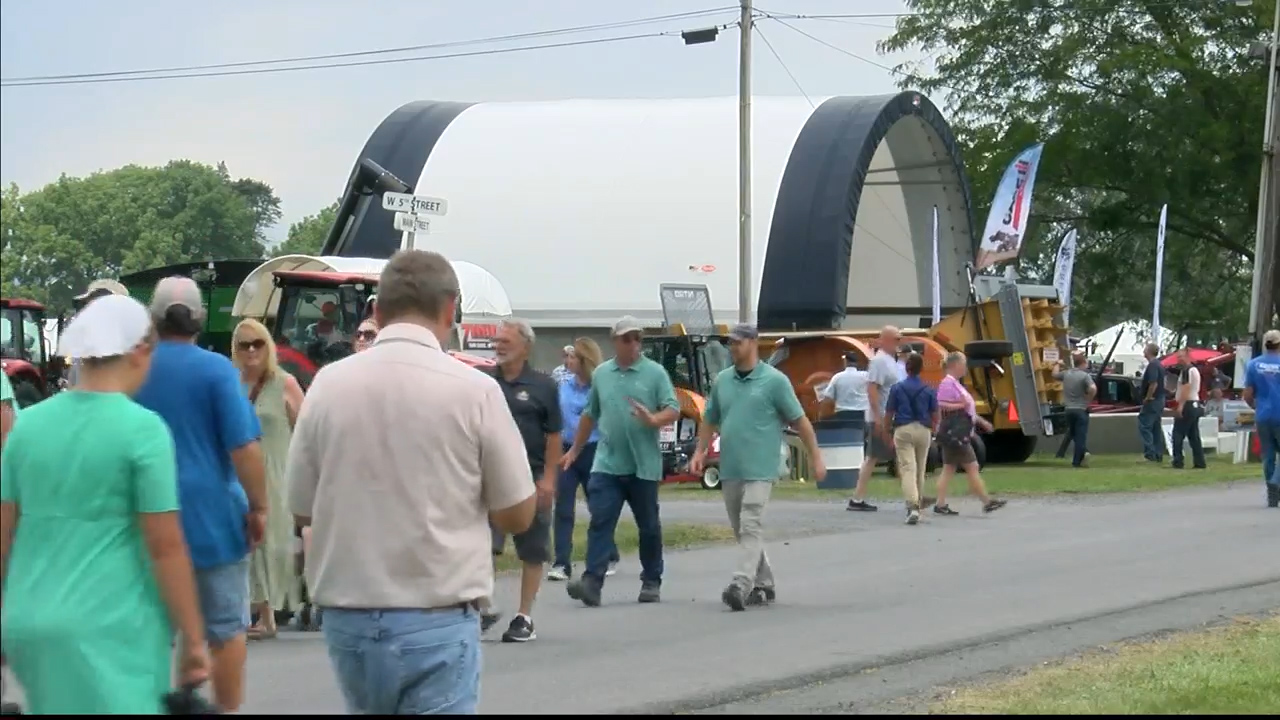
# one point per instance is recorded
(520, 630)
(860, 506)
(1273, 495)
(944, 510)
(488, 620)
(761, 596)
(650, 593)
(734, 597)
(585, 590)
(994, 505)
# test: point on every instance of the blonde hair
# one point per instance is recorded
(589, 356)
(260, 330)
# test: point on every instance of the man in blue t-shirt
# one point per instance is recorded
(221, 476)
(1262, 392)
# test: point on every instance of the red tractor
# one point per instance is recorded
(316, 316)
(25, 355)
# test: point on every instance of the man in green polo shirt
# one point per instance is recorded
(631, 397)
(749, 405)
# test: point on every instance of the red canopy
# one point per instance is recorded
(1198, 356)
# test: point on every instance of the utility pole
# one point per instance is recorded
(1265, 277)
(746, 309)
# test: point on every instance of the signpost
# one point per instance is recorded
(410, 212)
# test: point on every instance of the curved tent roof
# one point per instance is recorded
(482, 294)
(584, 207)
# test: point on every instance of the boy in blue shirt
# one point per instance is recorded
(1262, 392)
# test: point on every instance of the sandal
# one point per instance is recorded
(944, 510)
(257, 632)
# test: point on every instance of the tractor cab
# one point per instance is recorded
(693, 349)
(24, 351)
(317, 317)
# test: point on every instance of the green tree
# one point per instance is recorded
(59, 238)
(1139, 103)
(306, 237)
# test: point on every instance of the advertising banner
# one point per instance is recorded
(1010, 210)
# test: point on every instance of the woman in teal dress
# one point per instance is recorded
(94, 562)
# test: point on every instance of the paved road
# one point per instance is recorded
(875, 592)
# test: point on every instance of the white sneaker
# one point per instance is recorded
(913, 517)
(558, 573)
(613, 570)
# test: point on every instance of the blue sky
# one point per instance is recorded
(301, 131)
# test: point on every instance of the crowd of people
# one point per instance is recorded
(196, 483)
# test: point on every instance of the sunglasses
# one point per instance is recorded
(255, 344)
(366, 334)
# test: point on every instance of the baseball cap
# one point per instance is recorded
(626, 324)
(107, 327)
(177, 292)
(744, 331)
(1271, 339)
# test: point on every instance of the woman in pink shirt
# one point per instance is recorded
(955, 431)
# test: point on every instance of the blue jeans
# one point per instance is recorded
(605, 496)
(1078, 431)
(1269, 438)
(405, 662)
(1150, 431)
(577, 476)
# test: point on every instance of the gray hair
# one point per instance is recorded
(952, 358)
(522, 327)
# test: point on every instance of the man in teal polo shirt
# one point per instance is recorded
(749, 405)
(631, 398)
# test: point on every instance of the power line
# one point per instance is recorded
(362, 63)
(384, 51)
(785, 69)
(837, 48)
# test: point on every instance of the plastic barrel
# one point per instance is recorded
(840, 439)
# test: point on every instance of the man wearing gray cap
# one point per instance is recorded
(749, 405)
(631, 397)
(222, 485)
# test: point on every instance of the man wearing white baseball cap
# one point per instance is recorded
(221, 473)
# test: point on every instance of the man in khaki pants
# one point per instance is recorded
(750, 403)
(913, 414)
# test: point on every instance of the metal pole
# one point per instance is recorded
(745, 306)
(1268, 214)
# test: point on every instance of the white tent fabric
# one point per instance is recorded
(482, 293)
(1133, 338)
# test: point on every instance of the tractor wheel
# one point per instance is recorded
(711, 478)
(995, 350)
(980, 451)
(1009, 446)
(27, 393)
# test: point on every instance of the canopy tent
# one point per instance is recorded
(1133, 339)
(482, 294)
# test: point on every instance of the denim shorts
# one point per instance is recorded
(224, 600)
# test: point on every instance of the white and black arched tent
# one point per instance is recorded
(584, 207)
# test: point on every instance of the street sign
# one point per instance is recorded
(414, 204)
(412, 223)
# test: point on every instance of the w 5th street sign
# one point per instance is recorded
(414, 204)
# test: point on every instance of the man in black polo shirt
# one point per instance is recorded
(535, 405)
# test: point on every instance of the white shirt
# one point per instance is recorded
(399, 455)
(848, 388)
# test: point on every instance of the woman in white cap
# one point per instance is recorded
(97, 574)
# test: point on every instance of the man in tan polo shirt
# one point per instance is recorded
(401, 457)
